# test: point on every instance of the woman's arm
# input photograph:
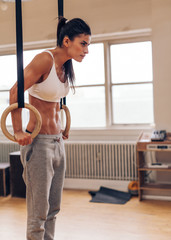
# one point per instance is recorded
(39, 66)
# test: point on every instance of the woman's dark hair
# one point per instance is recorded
(70, 28)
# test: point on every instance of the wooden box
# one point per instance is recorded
(18, 188)
(4, 179)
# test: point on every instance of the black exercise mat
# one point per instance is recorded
(107, 195)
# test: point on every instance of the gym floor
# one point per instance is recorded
(79, 219)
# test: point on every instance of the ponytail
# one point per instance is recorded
(68, 66)
(61, 24)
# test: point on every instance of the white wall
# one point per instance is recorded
(39, 17)
(161, 40)
(111, 15)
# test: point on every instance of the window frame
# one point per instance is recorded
(121, 38)
(122, 41)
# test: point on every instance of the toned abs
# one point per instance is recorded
(49, 112)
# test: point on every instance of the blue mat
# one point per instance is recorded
(107, 195)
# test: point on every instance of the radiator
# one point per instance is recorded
(6, 148)
(108, 161)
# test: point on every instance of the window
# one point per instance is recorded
(104, 96)
(132, 88)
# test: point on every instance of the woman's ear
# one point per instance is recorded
(66, 41)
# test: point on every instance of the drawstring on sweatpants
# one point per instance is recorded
(56, 140)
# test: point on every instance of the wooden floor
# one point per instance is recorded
(80, 219)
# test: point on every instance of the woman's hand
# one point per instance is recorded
(65, 137)
(23, 138)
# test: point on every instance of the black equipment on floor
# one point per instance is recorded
(107, 195)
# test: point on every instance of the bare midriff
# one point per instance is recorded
(49, 112)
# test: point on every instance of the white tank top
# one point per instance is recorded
(51, 89)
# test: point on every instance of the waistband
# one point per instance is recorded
(48, 136)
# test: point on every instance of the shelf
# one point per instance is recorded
(155, 186)
(145, 144)
(154, 169)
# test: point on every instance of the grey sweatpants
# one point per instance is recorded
(44, 169)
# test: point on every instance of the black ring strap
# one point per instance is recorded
(19, 43)
(61, 13)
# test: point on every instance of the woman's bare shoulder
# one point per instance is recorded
(38, 67)
(42, 62)
(43, 58)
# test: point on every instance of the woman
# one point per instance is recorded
(47, 79)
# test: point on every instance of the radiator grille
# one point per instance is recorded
(101, 161)
(6, 148)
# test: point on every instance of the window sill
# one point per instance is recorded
(124, 133)
(113, 133)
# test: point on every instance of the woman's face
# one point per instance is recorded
(78, 48)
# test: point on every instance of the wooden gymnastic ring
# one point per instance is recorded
(15, 106)
(68, 120)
